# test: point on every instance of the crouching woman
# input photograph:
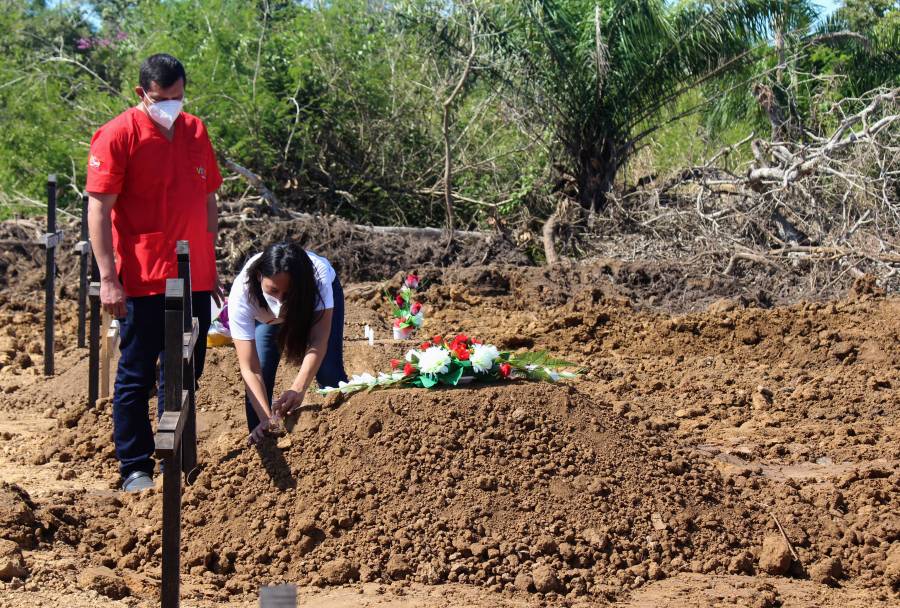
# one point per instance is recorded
(288, 301)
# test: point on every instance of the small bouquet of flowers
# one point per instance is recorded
(406, 312)
(460, 361)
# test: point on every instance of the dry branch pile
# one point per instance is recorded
(827, 204)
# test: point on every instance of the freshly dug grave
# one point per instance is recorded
(517, 486)
(514, 487)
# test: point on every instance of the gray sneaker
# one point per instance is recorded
(138, 481)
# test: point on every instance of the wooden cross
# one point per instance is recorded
(175, 439)
(50, 241)
(83, 249)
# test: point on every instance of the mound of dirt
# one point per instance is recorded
(519, 486)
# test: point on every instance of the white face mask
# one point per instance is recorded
(274, 304)
(164, 113)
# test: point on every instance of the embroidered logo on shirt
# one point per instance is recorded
(94, 162)
(201, 172)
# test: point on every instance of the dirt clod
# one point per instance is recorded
(104, 581)
(340, 572)
(775, 556)
(827, 571)
(12, 564)
(545, 579)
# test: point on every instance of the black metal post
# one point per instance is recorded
(84, 250)
(50, 276)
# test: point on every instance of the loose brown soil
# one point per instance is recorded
(663, 476)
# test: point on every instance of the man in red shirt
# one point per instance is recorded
(152, 178)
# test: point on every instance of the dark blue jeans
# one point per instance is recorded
(142, 341)
(330, 372)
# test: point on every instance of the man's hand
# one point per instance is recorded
(218, 292)
(288, 402)
(112, 297)
(259, 432)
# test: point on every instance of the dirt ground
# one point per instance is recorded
(726, 446)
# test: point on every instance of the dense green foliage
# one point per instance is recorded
(338, 104)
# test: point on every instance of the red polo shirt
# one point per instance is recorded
(162, 188)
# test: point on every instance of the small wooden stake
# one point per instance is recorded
(105, 354)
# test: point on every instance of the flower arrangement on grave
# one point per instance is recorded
(439, 362)
(407, 313)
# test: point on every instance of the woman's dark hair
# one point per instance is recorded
(302, 297)
(163, 69)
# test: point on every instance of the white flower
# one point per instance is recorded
(434, 360)
(483, 357)
(366, 379)
(412, 353)
(418, 319)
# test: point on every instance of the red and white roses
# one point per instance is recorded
(406, 312)
(441, 362)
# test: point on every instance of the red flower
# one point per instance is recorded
(437, 340)
(505, 370)
(412, 281)
(395, 363)
(425, 345)
(408, 369)
(416, 307)
(461, 338)
(474, 341)
(399, 300)
(397, 322)
(462, 353)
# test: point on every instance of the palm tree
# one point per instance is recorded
(607, 73)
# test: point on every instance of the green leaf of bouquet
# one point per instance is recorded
(540, 358)
(427, 380)
(452, 377)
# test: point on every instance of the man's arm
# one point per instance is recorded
(112, 295)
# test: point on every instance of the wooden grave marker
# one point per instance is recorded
(50, 241)
(83, 249)
(175, 439)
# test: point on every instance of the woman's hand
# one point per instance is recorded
(259, 432)
(289, 401)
